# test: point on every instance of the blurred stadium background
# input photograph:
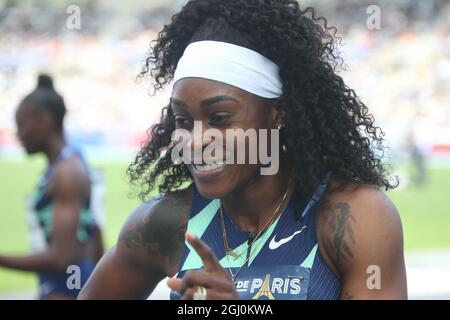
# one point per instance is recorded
(401, 71)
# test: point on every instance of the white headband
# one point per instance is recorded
(230, 64)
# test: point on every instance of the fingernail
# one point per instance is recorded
(190, 235)
(169, 282)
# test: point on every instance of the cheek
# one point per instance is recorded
(32, 134)
(243, 150)
(24, 132)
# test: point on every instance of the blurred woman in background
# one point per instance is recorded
(64, 231)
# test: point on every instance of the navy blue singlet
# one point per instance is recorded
(283, 263)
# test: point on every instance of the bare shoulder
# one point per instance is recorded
(365, 202)
(148, 249)
(356, 223)
(71, 167)
(153, 235)
(70, 177)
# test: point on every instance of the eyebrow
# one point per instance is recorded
(216, 99)
(205, 103)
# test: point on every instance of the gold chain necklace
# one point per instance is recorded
(230, 252)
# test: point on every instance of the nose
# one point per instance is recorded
(198, 141)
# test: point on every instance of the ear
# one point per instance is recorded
(278, 115)
(281, 117)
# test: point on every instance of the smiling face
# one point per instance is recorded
(220, 106)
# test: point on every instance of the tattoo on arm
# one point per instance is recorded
(341, 224)
(135, 238)
(161, 233)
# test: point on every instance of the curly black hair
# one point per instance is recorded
(327, 126)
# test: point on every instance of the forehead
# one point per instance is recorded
(27, 112)
(23, 110)
(197, 89)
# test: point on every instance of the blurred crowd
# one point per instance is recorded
(107, 104)
(405, 82)
(401, 71)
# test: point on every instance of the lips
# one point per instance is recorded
(208, 169)
(210, 166)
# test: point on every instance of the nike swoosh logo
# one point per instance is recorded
(276, 244)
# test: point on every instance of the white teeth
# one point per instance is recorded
(209, 167)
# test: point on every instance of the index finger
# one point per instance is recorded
(210, 261)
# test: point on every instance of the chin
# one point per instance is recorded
(214, 188)
(211, 190)
(211, 184)
(30, 151)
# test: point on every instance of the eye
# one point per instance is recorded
(219, 119)
(181, 121)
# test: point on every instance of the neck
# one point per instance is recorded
(253, 205)
(53, 146)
